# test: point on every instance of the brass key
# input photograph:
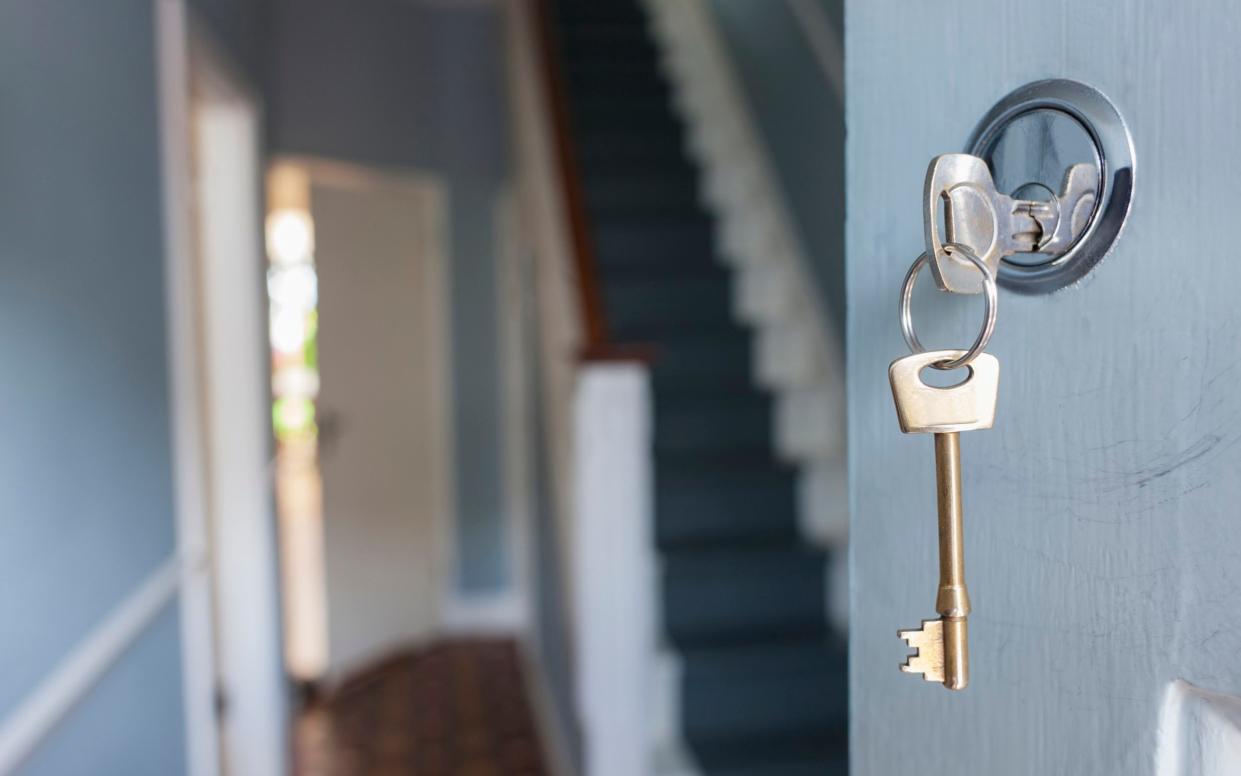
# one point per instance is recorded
(943, 644)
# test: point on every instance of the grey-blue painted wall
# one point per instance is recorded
(398, 85)
(801, 120)
(86, 495)
(240, 29)
(113, 732)
(547, 551)
(484, 557)
(389, 83)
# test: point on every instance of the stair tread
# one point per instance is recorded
(649, 107)
(599, 147)
(728, 560)
(599, 15)
(741, 455)
(713, 427)
(674, 205)
(621, 266)
(781, 657)
(581, 41)
(709, 471)
(641, 196)
(743, 594)
(604, 69)
(681, 176)
(792, 734)
(813, 755)
(724, 506)
(824, 765)
(633, 236)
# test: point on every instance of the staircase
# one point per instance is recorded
(763, 680)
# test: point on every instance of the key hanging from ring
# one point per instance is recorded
(942, 645)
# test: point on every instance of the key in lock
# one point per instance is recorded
(996, 225)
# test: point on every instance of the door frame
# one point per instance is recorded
(197, 77)
(192, 534)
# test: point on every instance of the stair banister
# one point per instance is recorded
(598, 344)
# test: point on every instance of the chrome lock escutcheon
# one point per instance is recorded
(1041, 193)
(994, 224)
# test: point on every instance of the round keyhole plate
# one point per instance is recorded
(1028, 140)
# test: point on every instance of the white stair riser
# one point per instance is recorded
(822, 494)
(809, 425)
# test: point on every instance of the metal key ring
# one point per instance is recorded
(989, 293)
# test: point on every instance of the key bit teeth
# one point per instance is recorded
(928, 660)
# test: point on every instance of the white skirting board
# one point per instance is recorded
(671, 756)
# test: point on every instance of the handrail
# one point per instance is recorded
(599, 344)
(585, 260)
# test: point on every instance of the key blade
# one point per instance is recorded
(928, 641)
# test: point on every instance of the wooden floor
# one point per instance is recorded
(458, 708)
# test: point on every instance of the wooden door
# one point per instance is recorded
(1103, 511)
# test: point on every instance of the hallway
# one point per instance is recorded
(457, 708)
(446, 394)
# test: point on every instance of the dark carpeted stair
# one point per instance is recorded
(764, 683)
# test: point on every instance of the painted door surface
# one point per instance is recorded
(1103, 511)
(382, 364)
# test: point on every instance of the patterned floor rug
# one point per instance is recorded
(458, 708)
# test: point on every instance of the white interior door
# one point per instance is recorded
(382, 407)
(1102, 527)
